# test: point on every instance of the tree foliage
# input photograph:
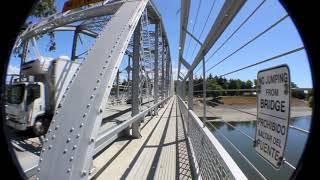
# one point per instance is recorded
(43, 8)
(216, 86)
(297, 93)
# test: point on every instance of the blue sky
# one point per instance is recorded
(282, 38)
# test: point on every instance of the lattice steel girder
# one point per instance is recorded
(184, 17)
(168, 61)
(79, 28)
(185, 8)
(61, 19)
(69, 145)
(185, 63)
(156, 64)
(162, 69)
(227, 13)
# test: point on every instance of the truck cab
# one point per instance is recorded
(32, 100)
(25, 104)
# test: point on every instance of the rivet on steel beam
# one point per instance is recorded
(81, 124)
(53, 136)
(83, 173)
(38, 169)
(65, 151)
(91, 97)
(68, 140)
(95, 88)
(50, 146)
(68, 171)
(57, 126)
(100, 110)
(74, 147)
(44, 149)
(92, 140)
(72, 129)
(78, 135)
(98, 81)
(49, 130)
(71, 158)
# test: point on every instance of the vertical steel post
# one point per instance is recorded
(24, 52)
(190, 95)
(117, 88)
(129, 67)
(156, 67)
(23, 55)
(168, 61)
(126, 132)
(74, 44)
(136, 80)
(162, 68)
(183, 90)
(129, 71)
(204, 92)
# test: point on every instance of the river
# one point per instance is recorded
(294, 148)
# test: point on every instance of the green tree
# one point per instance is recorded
(297, 93)
(213, 85)
(234, 84)
(43, 8)
(248, 84)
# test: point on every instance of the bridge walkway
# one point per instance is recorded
(161, 153)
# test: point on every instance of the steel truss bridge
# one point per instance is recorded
(96, 134)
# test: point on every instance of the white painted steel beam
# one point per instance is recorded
(61, 19)
(136, 93)
(226, 15)
(70, 142)
(156, 66)
(184, 16)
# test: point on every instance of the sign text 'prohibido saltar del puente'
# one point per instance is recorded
(273, 113)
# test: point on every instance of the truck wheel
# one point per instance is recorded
(41, 126)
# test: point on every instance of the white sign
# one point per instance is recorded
(273, 113)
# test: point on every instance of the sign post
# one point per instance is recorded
(273, 113)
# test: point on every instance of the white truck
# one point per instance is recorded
(31, 101)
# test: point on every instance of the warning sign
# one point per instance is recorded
(273, 113)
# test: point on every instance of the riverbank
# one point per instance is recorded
(242, 109)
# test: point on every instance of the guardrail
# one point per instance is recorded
(109, 135)
(209, 159)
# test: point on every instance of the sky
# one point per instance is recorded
(282, 38)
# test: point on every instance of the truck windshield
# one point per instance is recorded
(15, 94)
(33, 93)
